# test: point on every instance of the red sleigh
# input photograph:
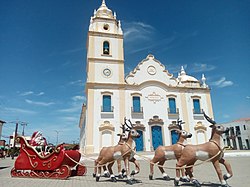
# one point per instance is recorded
(58, 164)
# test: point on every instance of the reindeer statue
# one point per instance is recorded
(121, 172)
(123, 151)
(209, 151)
(163, 153)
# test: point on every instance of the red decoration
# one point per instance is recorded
(55, 165)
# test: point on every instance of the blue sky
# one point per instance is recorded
(43, 55)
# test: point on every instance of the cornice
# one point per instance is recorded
(93, 85)
(107, 59)
(102, 34)
(164, 86)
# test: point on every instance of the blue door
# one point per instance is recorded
(174, 136)
(139, 141)
(156, 136)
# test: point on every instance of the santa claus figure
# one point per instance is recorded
(39, 142)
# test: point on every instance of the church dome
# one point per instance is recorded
(104, 12)
(187, 78)
(183, 77)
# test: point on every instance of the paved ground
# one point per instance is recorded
(205, 173)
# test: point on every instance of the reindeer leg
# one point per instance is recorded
(111, 172)
(119, 166)
(137, 166)
(98, 175)
(99, 166)
(177, 177)
(105, 171)
(216, 164)
(160, 166)
(95, 169)
(184, 177)
(189, 172)
(228, 168)
(126, 162)
(152, 164)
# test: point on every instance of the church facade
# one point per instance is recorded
(150, 96)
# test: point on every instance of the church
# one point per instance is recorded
(150, 96)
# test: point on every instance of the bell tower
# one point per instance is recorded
(105, 54)
(105, 75)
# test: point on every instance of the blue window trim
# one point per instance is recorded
(172, 105)
(197, 107)
(136, 104)
(106, 103)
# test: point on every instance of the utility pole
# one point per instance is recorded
(15, 135)
(57, 132)
(23, 124)
(14, 144)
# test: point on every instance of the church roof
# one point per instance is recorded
(183, 77)
(104, 12)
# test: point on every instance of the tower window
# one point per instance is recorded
(106, 103)
(197, 108)
(106, 48)
(106, 27)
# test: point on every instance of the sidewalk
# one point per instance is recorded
(206, 174)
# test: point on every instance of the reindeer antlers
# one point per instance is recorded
(125, 121)
(179, 123)
(208, 118)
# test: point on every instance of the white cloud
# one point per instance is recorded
(41, 93)
(247, 97)
(137, 30)
(19, 110)
(77, 83)
(175, 68)
(70, 119)
(39, 103)
(78, 98)
(71, 110)
(222, 82)
(197, 67)
(26, 93)
(226, 116)
(31, 93)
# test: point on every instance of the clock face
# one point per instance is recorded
(107, 72)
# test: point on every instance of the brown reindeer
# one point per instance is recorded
(123, 151)
(212, 150)
(163, 153)
(121, 172)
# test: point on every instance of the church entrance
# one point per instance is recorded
(156, 136)
(139, 141)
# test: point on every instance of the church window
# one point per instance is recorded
(136, 104)
(172, 105)
(106, 103)
(106, 48)
(197, 108)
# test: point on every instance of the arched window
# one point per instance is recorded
(106, 47)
